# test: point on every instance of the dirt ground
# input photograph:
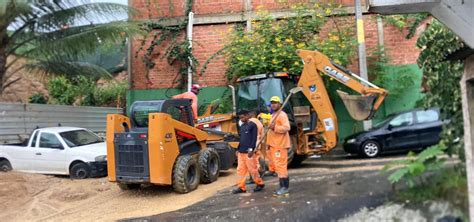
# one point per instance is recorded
(34, 197)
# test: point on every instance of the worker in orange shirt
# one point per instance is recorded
(246, 160)
(195, 88)
(278, 140)
(271, 166)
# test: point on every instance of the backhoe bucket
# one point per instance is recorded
(359, 107)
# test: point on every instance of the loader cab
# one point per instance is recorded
(179, 109)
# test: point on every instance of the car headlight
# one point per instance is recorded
(351, 140)
(101, 158)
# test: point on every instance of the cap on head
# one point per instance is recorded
(275, 99)
(195, 87)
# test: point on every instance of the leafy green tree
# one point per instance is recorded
(442, 78)
(53, 35)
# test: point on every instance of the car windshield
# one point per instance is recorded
(80, 138)
(380, 124)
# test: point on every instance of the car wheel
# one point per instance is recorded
(79, 171)
(370, 149)
(5, 166)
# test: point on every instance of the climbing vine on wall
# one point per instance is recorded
(412, 21)
(177, 51)
(442, 78)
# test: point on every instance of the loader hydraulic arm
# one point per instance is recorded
(360, 107)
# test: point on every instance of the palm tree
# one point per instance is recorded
(53, 35)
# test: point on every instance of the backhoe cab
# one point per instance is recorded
(158, 144)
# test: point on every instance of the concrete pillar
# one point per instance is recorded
(248, 12)
(467, 91)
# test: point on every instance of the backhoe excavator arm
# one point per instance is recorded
(359, 107)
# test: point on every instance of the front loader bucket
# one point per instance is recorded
(359, 107)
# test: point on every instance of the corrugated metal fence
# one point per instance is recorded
(18, 120)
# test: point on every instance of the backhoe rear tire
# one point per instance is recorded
(209, 164)
(186, 174)
(297, 160)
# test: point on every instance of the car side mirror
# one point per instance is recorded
(390, 127)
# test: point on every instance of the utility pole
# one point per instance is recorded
(190, 39)
(361, 50)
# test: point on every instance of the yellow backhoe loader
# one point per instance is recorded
(314, 125)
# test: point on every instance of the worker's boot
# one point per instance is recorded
(259, 188)
(238, 190)
(283, 191)
(282, 185)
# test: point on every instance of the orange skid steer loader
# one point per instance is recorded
(158, 144)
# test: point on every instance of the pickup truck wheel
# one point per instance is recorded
(186, 174)
(79, 171)
(209, 164)
(5, 166)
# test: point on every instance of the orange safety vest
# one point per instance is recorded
(279, 137)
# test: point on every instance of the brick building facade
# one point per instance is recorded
(217, 17)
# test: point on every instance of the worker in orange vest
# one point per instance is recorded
(278, 140)
(246, 160)
(195, 88)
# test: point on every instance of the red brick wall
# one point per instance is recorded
(161, 75)
(285, 4)
(208, 39)
(159, 8)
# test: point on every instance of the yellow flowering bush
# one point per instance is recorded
(271, 44)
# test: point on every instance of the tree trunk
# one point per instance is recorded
(3, 56)
(3, 71)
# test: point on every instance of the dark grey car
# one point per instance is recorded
(409, 130)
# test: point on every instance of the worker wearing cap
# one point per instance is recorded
(246, 160)
(278, 140)
(195, 88)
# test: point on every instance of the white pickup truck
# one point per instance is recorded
(76, 152)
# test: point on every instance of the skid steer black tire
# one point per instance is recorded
(209, 164)
(186, 174)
